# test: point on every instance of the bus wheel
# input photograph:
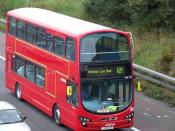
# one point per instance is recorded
(56, 115)
(18, 92)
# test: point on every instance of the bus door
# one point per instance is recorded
(72, 102)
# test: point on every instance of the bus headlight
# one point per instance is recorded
(84, 121)
(130, 116)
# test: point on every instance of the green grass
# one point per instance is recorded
(2, 28)
(158, 93)
(148, 48)
(67, 7)
(6, 5)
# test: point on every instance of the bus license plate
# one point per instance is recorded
(107, 128)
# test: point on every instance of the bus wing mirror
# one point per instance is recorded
(69, 90)
(131, 41)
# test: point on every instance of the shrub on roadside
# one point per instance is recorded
(167, 61)
(10, 5)
(118, 11)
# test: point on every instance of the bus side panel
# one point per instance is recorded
(50, 83)
(61, 83)
(8, 73)
(39, 96)
(35, 95)
(10, 42)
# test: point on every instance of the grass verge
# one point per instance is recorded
(158, 93)
(2, 27)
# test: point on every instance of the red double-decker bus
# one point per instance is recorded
(77, 72)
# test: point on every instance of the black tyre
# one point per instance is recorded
(18, 92)
(57, 115)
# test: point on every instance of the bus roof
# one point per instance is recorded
(56, 21)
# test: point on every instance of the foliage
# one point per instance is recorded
(155, 14)
(167, 59)
(9, 5)
(68, 7)
(2, 28)
(158, 93)
(148, 14)
(113, 10)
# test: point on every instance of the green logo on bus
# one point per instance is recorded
(120, 70)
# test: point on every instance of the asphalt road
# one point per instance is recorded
(150, 115)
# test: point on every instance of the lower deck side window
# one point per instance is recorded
(20, 63)
(40, 76)
(31, 71)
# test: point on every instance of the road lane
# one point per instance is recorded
(152, 115)
(2, 44)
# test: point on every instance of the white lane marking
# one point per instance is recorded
(3, 58)
(158, 106)
(146, 114)
(147, 109)
(165, 116)
(158, 116)
(135, 129)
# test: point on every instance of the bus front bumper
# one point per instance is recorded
(105, 125)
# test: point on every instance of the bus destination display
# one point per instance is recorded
(106, 71)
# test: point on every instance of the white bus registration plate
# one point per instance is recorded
(107, 128)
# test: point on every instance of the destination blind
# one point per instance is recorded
(105, 71)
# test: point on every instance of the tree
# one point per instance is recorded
(113, 10)
(10, 5)
(156, 14)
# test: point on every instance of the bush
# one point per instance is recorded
(155, 14)
(158, 93)
(118, 11)
(10, 5)
(164, 64)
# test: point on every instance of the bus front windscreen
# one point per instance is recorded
(106, 96)
(107, 46)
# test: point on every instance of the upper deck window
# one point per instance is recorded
(104, 47)
(12, 26)
(31, 33)
(21, 29)
(49, 42)
(59, 46)
(70, 49)
(41, 37)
